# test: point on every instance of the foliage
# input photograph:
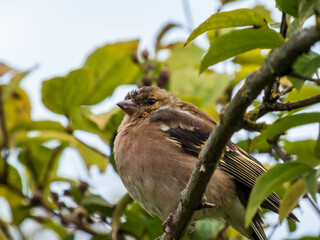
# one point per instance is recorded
(26, 184)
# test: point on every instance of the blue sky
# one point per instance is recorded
(55, 36)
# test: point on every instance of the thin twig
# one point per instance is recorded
(187, 12)
(314, 205)
(296, 75)
(263, 109)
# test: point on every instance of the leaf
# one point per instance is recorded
(253, 57)
(17, 109)
(290, 7)
(306, 9)
(14, 177)
(270, 181)
(308, 90)
(91, 157)
(63, 94)
(13, 84)
(284, 124)
(4, 69)
(162, 33)
(112, 66)
(95, 203)
(235, 18)
(306, 65)
(37, 159)
(265, 13)
(57, 228)
(311, 183)
(185, 81)
(239, 41)
(303, 149)
(291, 198)
(39, 125)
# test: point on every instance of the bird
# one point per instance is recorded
(156, 148)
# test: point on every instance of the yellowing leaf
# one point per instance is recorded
(291, 198)
(239, 41)
(235, 18)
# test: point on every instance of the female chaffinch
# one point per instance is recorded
(156, 148)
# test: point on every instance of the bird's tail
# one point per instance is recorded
(256, 225)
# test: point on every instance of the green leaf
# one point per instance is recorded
(69, 237)
(303, 149)
(308, 90)
(13, 176)
(311, 182)
(17, 109)
(112, 66)
(292, 226)
(253, 57)
(288, 6)
(37, 158)
(235, 18)
(284, 124)
(57, 228)
(239, 41)
(39, 125)
(270, 181)
(92, 156)
(162, 33)
(13, 84)
(306, 65)
(185, 80)
(95, 203)
(291, 198)
(63, 94)
(317, 147)
(306, 9)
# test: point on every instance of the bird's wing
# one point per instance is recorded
(191, 132)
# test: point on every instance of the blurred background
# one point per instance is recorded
(52, 38)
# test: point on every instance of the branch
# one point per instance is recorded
(278, 63)
(263, 108)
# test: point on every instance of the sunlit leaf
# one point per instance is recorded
(239, 41)
(253, 57)
(284, 124)
(112, 66)
(13, 176)
(270, 181)
(307, 90)
(17, 109)
(62, 94)
(39, 125)
(235, 18)
(13, 84)
(265, 13)
(185, 80)
(291, 198)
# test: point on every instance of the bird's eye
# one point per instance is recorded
(151, 101)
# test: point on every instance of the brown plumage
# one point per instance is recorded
(156, 148)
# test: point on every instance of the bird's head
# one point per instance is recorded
(145, 101)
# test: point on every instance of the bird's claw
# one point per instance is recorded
(167, 225)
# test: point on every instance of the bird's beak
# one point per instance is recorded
(129, 106)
